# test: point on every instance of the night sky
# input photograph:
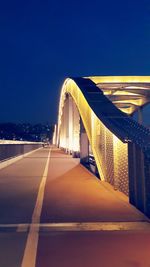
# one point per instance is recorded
(43, 42)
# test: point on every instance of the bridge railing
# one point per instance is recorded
(10, 149)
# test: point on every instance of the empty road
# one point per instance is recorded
(55, 213)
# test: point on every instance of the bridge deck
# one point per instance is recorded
(76, 221)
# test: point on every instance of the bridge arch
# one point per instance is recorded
(120, 145)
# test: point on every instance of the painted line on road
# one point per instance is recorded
(95, 226)
(77, 226)
(29, 258)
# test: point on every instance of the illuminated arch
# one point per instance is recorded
(101, 102)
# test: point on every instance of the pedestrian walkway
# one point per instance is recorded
(55, 213)
(73, 194)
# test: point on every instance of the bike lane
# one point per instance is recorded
(83, 223)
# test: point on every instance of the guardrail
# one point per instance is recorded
(10, 149)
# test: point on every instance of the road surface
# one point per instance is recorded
(55, 213)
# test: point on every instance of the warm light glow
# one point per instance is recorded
(109, 152)
(120, 79)
(128, 110)
(137, 87)
(125, 93)
(54, 135)
(127, 87)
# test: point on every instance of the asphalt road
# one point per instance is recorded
(55, 213)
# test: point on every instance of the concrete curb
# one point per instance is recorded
(10, 161)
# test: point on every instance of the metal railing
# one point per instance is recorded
(8, 150)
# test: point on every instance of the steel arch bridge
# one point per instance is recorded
(95, 123)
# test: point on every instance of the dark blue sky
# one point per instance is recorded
(43, 42)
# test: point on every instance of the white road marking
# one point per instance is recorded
(95, 226)
(22, 227)
(78, 226)
(29, 258)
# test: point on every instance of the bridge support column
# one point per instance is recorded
(54, 139)
(63, 138)
(68, 138)
(66, 124)
(76, 131)
(70, 124)
(84, 144)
